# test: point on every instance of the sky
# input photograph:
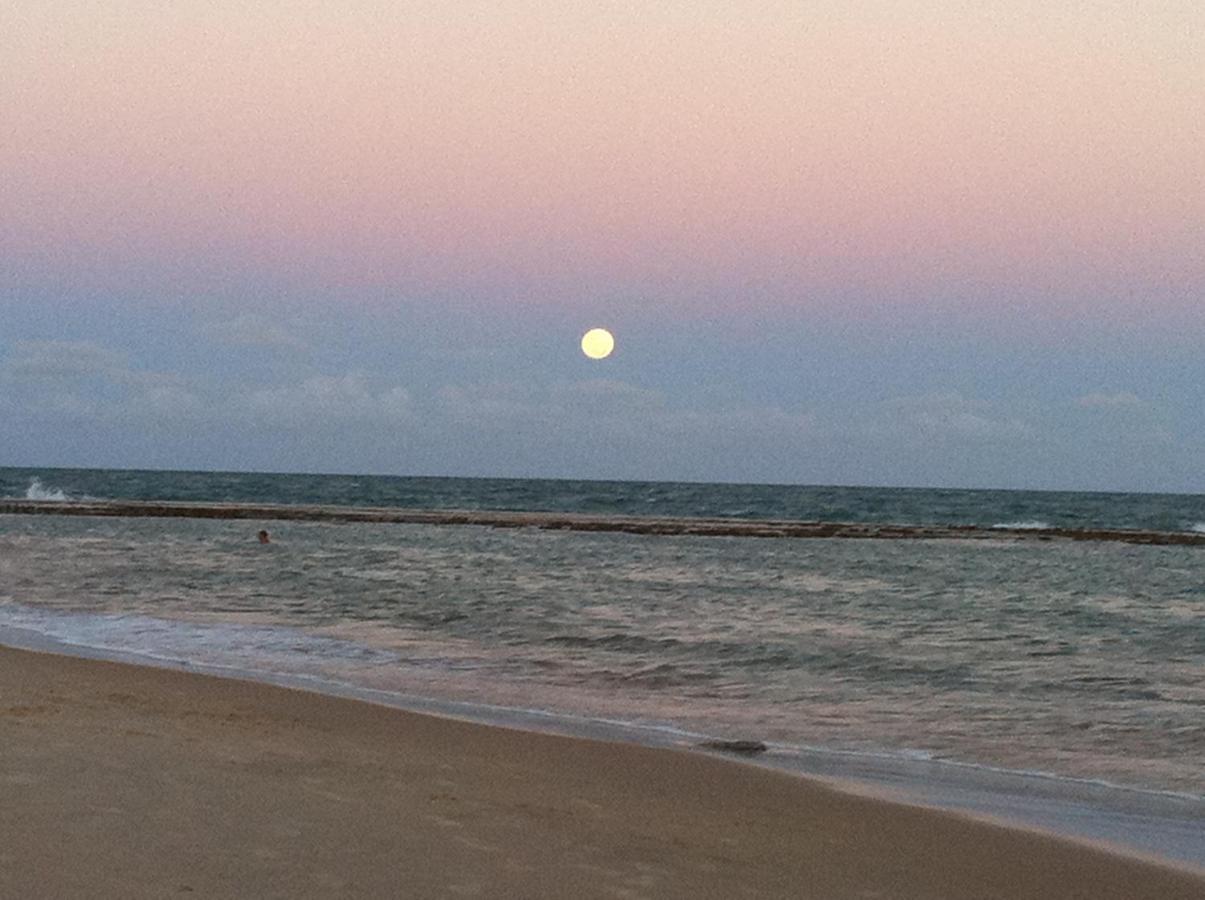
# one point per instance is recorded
(900, 243)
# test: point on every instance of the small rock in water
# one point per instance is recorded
(747, 747)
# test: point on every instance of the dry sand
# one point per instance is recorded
(124, 781)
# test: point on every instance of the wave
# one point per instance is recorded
(1198, 527)
(1027, 525)
(276, 654)
(39, 491)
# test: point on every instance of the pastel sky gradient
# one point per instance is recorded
(919, 243)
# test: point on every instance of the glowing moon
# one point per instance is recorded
(597, 343)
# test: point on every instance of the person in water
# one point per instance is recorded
(264, 538)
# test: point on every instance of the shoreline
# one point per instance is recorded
(1159, 825)
(520, 811)
(559, 521)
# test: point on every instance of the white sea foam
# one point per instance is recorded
(1027, 525)
(279, 649)
(39, 491)
(1198, 527)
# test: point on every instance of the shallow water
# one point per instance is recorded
(1083, 660)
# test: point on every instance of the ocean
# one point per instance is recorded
(1060, 683)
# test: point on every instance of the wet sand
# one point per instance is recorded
(126, 781)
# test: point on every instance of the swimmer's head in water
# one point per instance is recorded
(264, 538)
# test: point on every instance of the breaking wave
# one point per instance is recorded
(39, 491)
(1028, 525)
(1199, 528)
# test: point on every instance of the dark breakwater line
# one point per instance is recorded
(768, 528)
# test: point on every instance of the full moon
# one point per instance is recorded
(597, 343)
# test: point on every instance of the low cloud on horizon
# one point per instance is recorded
(86, 404)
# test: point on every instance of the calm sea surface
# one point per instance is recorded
(1083, 660)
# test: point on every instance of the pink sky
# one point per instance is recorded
(704, 153)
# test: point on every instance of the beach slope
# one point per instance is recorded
(126, 781)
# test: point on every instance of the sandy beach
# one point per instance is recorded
(125, 781)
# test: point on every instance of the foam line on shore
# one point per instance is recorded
(558, 521)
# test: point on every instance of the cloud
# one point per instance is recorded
(44, 363)
(605, 398)
(486, 404)
(1126, 419)
(502, 403)
(82, 381)
(90, 403)
(327, 400)
(71, 379)
(166, 398)
(250, 330)
(598, 427)
(1119, 401)
(947, 415)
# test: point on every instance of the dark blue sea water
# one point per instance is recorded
(930, 506)
(948, 667)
